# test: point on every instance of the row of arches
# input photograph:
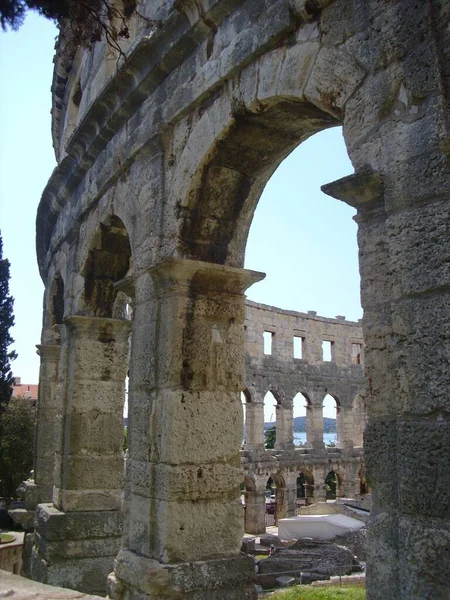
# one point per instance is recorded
(280, 494)
(300, 422)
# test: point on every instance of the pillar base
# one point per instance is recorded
(75, 549)
(32, 494)
(139, 578)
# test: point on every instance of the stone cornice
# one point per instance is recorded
(151, 61)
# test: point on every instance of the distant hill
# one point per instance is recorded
(329, 425)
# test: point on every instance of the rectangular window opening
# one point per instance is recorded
(327, 351)
(356, 354)
(268, 336)
(298, 346)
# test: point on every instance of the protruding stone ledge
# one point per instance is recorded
(358, 190)
(199, 276)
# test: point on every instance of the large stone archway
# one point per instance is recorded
(179, 143)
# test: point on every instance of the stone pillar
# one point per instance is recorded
(40, 488)
(314, 424)
(344, 426)
(320, 493)
(255, 512)
(46, 419)
(184, 471)
(284, 424)
(78, 536)
(254, 424)
(396, 128)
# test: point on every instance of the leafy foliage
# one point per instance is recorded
(17, 425)
(6, 322)
(84, 21)
(270, 436)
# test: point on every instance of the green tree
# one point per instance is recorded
(17, 425)
(84, 22)
(6, 322)
(270, 436)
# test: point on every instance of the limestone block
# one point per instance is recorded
(238, 39)
(96, 432)
(221, 579)
(420, 359)
(380, 440)
(342, 19)
(190, 424)
(22, 588)
(334, 78)
(87, 575)
(391, 34)
(92, 400)
(296, 68)
(186, 537)
(94, 472)
(54, 525)
(423, 477)
(417, 237)
(424, 546)
(186, 481)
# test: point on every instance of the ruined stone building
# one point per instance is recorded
(276, 369)
(161, 161)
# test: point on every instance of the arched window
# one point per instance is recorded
(330, 414)
(300, 405)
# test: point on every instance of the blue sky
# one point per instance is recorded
(304, 240)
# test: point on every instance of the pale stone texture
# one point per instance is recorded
(285, 375)
(164, 159)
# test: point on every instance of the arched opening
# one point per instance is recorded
(301, 482)
(270, 425)
(245, 399)
(331, 485)
(108, 263)
(301, 404)
(359, 419)
(57, 301)
(330, 409)
(108, 305)
(305, 487)
(363, 486)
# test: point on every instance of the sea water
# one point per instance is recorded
(300, 438)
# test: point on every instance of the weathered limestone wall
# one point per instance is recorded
(285, 376)
(164, 159)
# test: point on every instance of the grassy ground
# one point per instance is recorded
(303, 592)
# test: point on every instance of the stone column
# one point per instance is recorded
(320, 493)
(78, 535)
(184, 471)
(46, 419)
(284, 424)
(398, 124)
(255, 512)
(344, 426)
(39, 489)
(254, 424)
(314, 423)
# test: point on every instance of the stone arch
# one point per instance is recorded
(327, 400)
(305, 484)
(235, 147)
(234, 174)
(306, 408)
(107, 264)
(332, 480)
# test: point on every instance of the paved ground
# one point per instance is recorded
(14, 587)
